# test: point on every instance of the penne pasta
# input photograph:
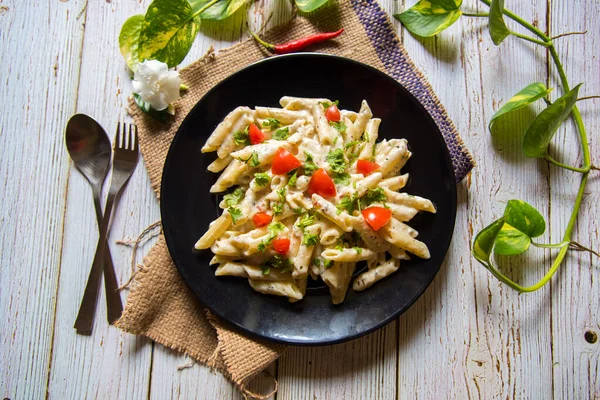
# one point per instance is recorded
(224, 129)
(368, 278)
(285, 222)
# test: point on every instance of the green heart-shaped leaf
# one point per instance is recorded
(498, 29)
(430, 17)
(220, 10)
(525, 218)
(168, 31)
(309, 5)
(129, 40)
(526, 96)
(484, 241)
(511, 241)
(544, 126)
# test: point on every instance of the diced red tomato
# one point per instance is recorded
(255, 134)
(261, 219)
(366, 167)
(377, 217)
(284, 162)
(321, 184)
(281, 245)
(333, 114)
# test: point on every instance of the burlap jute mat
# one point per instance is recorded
(160, 306)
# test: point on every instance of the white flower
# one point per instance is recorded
(155, 84)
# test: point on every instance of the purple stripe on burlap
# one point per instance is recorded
(383, 37)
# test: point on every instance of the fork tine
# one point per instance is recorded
(118, 137)
(135, 138)
(124, 144)
(130, 144)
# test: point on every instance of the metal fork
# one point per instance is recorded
(126, 152)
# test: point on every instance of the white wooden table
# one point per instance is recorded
(468, 336)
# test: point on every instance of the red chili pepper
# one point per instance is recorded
(298, 44)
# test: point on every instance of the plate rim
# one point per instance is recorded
(291, 342)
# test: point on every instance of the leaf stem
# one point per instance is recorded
(532, 40)
(207, 6)
(580, 247)
(559, 164)
(466, 14)
(550, 246)
(588, 98)
(268, 46)
(568, 34)
(586, 158)
(522, 22)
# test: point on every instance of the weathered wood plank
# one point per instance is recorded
(38, 91)
(110, 363)
(470, 336)
(576, 287)
(364, 368)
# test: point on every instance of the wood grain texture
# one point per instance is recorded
(575, 299)
(38, 92)
(479, 338)
(110, 363)
(364, 368)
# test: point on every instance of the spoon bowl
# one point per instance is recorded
(89, 147)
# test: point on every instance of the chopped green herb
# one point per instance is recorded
(351, 203)
(298, 210)
(281, 193)
(274, 229)
(241, 137)
(278, 262)
(235, 213)
(343, 178)
(310, 239)
(278, 207)
(335, 140)
(376, 195)
(309, 166)
(271, 123)
(353, 156)
(293, 179)
(318, 262)
(358, 249)
(262, 178)
(327, 104)
(346, 203)
(306, 220)
(281, 133)
(351, 144)
(336, 161)
(339, 126)
(254, 162)
(365, 137)
(234, 197)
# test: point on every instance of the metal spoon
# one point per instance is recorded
(90, 149)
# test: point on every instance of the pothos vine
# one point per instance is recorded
(513, 233)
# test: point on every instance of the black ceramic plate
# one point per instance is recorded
(187, 207)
